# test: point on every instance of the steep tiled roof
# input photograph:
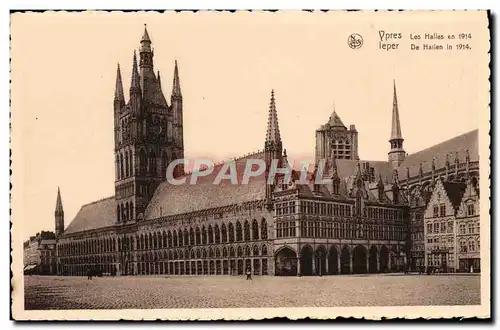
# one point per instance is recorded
(461, 143)
(335, 121)
(94, 215)
(171, 199)
(455, 191)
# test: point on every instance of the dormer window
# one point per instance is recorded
(470, 210)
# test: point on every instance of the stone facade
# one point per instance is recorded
(369, 218)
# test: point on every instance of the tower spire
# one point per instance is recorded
(273, 130)
(59, 206)
(59, 214)
(176, 85)
(119, 86)
(396, 126)
(396, 154)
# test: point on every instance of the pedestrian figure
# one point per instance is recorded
(249, 274)
(89, 273)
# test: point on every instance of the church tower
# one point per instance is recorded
(273, 147)
(333, 138)
(397, 153)
(144, 136)
(59, 214)
(176, 105)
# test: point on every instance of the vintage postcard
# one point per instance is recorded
(250, 165)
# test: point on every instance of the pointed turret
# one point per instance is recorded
(59, 214)
(145, 36)
(335, 176)
(135, 84)
(273, 131)
(145, 43)
(119, 96)
(176, 85)
(397, 153)
(380, 188)
(135, 88)
(395, 187)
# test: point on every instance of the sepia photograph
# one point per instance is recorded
(248, 165)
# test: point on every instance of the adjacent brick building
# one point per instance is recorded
(39, 254)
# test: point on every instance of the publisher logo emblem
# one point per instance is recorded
(355, 41)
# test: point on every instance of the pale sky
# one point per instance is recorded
(64, 71)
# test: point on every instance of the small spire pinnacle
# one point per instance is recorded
(380, 182)
(396, 126)
(145, 36)
(273, 130)
(136, 84)
(159, 79)
(119, 85)
(395, 177)
(334, 119)
(59, 206)
(334, 169)
(176, 86)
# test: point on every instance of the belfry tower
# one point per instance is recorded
(273, 147)
(147, 134)
(397, 153)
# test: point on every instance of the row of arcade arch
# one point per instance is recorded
(332, 261)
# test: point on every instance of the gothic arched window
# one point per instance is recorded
(174, 235)
(118, 167)
(239, 236)
(231, 232)
(198, 236)
(210, 235)
(127, 170)
(152, 163)
(255, 250)
(132, 214)
(217, 234)
(191, 236)
(223, 233)
(203, 235)
(142, 161)
(121, 167)
(263, 229)
(255, 229)
(169, 238)
(131, 163)
(246, 230)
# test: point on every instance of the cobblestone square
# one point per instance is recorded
(159, 292)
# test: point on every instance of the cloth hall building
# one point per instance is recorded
(370, 218)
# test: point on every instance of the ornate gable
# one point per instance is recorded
(469, 205)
